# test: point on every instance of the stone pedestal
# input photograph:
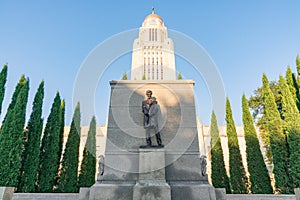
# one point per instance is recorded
(152, 182)
(111, 190)
(134, 173)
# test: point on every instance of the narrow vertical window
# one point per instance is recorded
(148, 73)
(144, 70)
(153, 34)
(152, 72)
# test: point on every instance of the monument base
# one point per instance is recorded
(152, 190)
(172, 172)
(110, 191)
(152, 179)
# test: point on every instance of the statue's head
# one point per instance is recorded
(149, 93)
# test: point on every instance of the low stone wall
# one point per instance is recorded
(221, 195)
(84, 193)
(45, 196)
(259, 197)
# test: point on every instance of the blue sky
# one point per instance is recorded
(49, 40)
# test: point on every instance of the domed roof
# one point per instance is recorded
(153, 16)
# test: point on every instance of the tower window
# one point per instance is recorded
(153, 34)
(148, 73)
(152, 73)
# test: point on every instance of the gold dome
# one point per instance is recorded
(153, 15)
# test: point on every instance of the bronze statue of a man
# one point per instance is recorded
(151, 109)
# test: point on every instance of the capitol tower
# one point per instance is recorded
(153, 52)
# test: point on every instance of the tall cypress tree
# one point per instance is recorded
(12, 104)
(219, 176)
(49, 151)
(62, 126)
(277, 139)
(259, 176)
(31, 153)
(3, 78)
(238, 178)
(68, 175)
(293, 86)
(88, 164)
(11, 138)
(61, 136)
(292, 131)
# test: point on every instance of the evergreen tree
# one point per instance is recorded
(219, 176)
(179, 77)
(238, 178)
(61, 136)
(292, 131)
(124, 77)
(293, 86)
(68, 175)
(144, 77)
(62, 126)
(259, 176)
(277, 139)
(30, 157)
(257, 107)
(3, 77)
(49, 151)
(12, 104)
(88, 164)
(11, 138)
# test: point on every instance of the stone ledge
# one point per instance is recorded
(260, 197)
(113, 82)
(45, 196)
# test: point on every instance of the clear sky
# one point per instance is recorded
(49, 40)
